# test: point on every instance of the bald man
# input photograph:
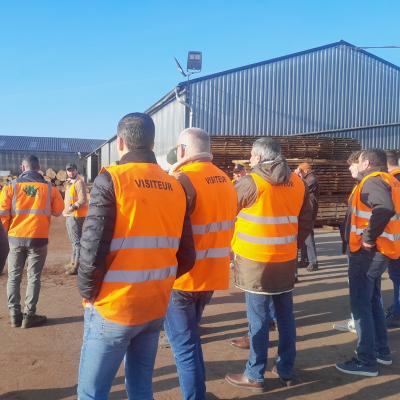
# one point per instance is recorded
(212, 205)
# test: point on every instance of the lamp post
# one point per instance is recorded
(193, 66)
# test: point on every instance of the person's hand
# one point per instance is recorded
(367, 246)
(71, 208)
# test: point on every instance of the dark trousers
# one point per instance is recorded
(309, 251)
(365, 271)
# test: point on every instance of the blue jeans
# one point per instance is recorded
(182, 328)
(258, 316)
(309, 251)
(394, 275)
(105, 345)
(365, 271)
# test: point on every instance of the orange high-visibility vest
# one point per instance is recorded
(212, 222)
(142, 264)
(30, 210)
(81, 212)
(267, 230)
(388, 243)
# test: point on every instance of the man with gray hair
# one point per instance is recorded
(212, 205)
(274, 220)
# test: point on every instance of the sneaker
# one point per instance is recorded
(31, 320)
(393, 320)
(354, 367)
(16, 320)
(345, 326)
(384, 360)
(312, 267)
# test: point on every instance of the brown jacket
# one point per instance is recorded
(270, 278)
(80, 188)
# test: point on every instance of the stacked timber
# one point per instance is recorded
(326, 155)
(58, 179)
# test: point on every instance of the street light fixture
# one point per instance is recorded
(193, 66)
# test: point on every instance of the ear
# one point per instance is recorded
(120, 143)
(180, 151)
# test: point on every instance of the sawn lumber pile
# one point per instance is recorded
(326, 155)
(56, 178)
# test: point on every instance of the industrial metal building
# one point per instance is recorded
(337, 90)
(52, 152)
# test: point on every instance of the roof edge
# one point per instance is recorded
(296, 54)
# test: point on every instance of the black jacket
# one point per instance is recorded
(98, 230)
(377, 195)
(312, 184)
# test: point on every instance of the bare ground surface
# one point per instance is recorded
(42, 363)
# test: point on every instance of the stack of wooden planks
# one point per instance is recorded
(56, 178)
(326, 155)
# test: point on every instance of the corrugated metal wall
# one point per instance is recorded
(169, 122)
(382, 138)
(332, 88)
(11, 161)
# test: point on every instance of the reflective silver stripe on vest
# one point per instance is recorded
(213, 253)
(361, 214)
(46, 211)
(267, 240)
(212, 227)
(29, 211)
(122, 276)
(390, 236)
(144, 242)
(290, 219)
(5, 212)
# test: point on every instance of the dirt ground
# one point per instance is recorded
(42, 363)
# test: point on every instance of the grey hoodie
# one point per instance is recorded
(270, 278)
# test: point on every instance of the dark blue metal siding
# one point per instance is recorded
(335, 87)
(48, 144)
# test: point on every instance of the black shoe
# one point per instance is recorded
(31, 320)
(285, 382)
(312, 267)
(16, 320)
(302, 264)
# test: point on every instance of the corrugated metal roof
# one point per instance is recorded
(52, 144)
(333, 87)
(286, 57)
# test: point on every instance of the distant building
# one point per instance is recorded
(52, 152)
(336, 90)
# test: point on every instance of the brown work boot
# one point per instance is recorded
(16, 320)
(241, 343)
(242, 381)
(69, 266)
(72, 271)
(31, 320)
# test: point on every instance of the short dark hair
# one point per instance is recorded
(137, 130)
(392, 158)
(376, 157)
(32, 162)
(353, 157)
